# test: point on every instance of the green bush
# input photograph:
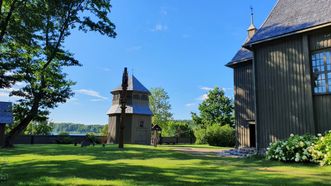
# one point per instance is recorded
(177, 128)
(321, 150)
(200, 136)
(295, 148)
(223, 136)
(216, 135)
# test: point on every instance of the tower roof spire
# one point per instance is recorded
(252, 26)
(251, 29)
(134, 85)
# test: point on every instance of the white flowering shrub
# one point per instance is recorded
(295, 149)
(321, 149)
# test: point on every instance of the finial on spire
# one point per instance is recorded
(252, 15)
(251, 29)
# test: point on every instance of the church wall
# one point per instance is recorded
(114, 128)
(141, 129)
(244, 103)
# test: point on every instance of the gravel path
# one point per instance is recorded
(234, 153)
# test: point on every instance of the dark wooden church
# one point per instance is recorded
(138, 121)
(282, 74)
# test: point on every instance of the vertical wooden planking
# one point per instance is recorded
(244, 108)
(255, 102)
(281, 90)
(259, 96)
(270, 84)
(287, 84)
(263, 101)
(322, 105)
(297, 82)
(308, 84)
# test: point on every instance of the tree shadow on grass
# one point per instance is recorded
(100, 164)
(110, 152)
(144, 175)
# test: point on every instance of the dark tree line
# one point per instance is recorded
(73, 128)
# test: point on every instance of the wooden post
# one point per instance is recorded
(155, 138)
(2, 134)
(123, 107)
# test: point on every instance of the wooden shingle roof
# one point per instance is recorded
(292, 16)
(134, 85)
(243, 55)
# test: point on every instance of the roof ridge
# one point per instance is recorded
(264, 22)
(289, 17)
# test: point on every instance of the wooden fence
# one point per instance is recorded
(54, 139)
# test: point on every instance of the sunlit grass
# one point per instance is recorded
(146, 165)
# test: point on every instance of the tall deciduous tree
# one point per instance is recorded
(39, 58)
(216, 109)
(160, 106)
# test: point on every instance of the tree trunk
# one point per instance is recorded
(9, 141)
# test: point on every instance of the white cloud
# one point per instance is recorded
(206, 88)
(159, 28)
(20, 84)
(4, 96)
(7, 90)
(9, 73)
(73, 99)
(91, 93)
(96, 100)
(211, 88)
(4, 93)
(190, 104)
(202, 97)
(226, 89)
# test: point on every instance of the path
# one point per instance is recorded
(234, 153)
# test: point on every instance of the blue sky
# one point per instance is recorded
(179, 45)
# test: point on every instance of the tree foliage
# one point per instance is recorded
(160, 106)
(39, 128)
(104, 130)
(32, 35)
(178, 128)
(75, 128)
(216, 109)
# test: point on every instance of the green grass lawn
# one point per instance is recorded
(146, 165)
